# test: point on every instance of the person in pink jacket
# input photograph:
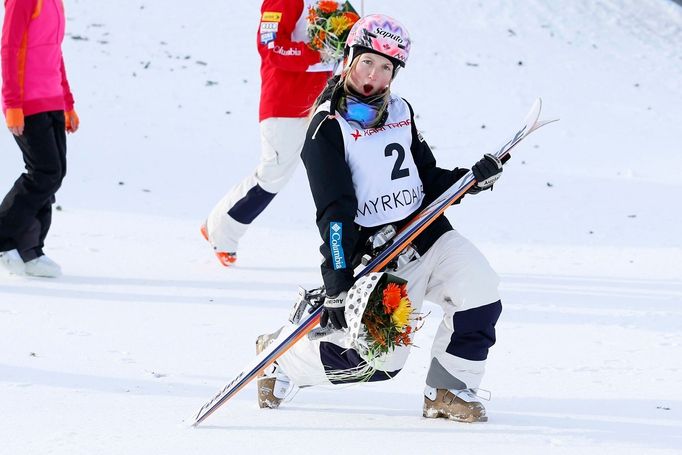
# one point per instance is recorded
(38, 107)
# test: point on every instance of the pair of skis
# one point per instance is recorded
(292, 333)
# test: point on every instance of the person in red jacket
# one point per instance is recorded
(38, 107)
(292, 75)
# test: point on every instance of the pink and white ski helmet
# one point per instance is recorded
(381, 34)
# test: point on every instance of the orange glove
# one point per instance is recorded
(15, 120)
(72, 121)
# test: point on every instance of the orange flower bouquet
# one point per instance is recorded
(380, 318)
(329, 23)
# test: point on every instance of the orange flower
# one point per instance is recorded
(403, 290)
(403, 339)
(328, 6)
(392, 296)
(352, 17)
(312, 15)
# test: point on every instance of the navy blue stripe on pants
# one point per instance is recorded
(474, 332)
(335, 358)
(251, 205)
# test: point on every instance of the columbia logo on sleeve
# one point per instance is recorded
(336, 244)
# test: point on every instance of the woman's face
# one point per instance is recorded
(372, 74)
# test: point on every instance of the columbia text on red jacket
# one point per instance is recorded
(289, 86)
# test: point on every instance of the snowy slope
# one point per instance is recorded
(145, 326)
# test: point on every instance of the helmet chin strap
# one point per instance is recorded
(348, 60)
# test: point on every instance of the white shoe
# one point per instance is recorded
(12, 262)
(43, 266)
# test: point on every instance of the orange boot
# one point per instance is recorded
(225, 258)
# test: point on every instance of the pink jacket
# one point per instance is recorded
(33, 73)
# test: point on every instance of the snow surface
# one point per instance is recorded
(584, 229)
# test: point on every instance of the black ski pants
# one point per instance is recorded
(26, 211)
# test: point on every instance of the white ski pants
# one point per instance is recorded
(281, 143)
(453, 274)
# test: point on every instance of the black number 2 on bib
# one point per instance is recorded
(397, 173)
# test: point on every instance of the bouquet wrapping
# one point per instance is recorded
(380, 318)
(329, 23)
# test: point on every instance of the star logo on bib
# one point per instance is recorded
(357, 135)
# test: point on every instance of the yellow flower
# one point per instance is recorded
(401, 316)
(338, 24)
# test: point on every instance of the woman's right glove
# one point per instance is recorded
(333, 312)
(15, 120)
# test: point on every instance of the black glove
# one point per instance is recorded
(333, 312)
(486, 171)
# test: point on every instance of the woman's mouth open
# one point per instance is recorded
(367, 88)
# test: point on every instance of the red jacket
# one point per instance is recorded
(291, 73)
(33, 73)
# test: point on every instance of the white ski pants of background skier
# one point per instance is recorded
(281, 143)
(453, 274)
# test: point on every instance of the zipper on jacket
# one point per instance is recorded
(38, 10)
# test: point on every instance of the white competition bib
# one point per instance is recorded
(385, 177)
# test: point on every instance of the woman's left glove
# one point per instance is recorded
(486, 171)
(333, 312)
(72, 121)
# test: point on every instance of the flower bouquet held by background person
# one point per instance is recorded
(329, 23)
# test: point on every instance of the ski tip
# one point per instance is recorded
(541, 123)
(190, 422)
(545, 122)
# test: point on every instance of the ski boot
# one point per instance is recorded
(12, 262)
(44, 267)
(458, 405)
(273, 385)
(225, 258)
